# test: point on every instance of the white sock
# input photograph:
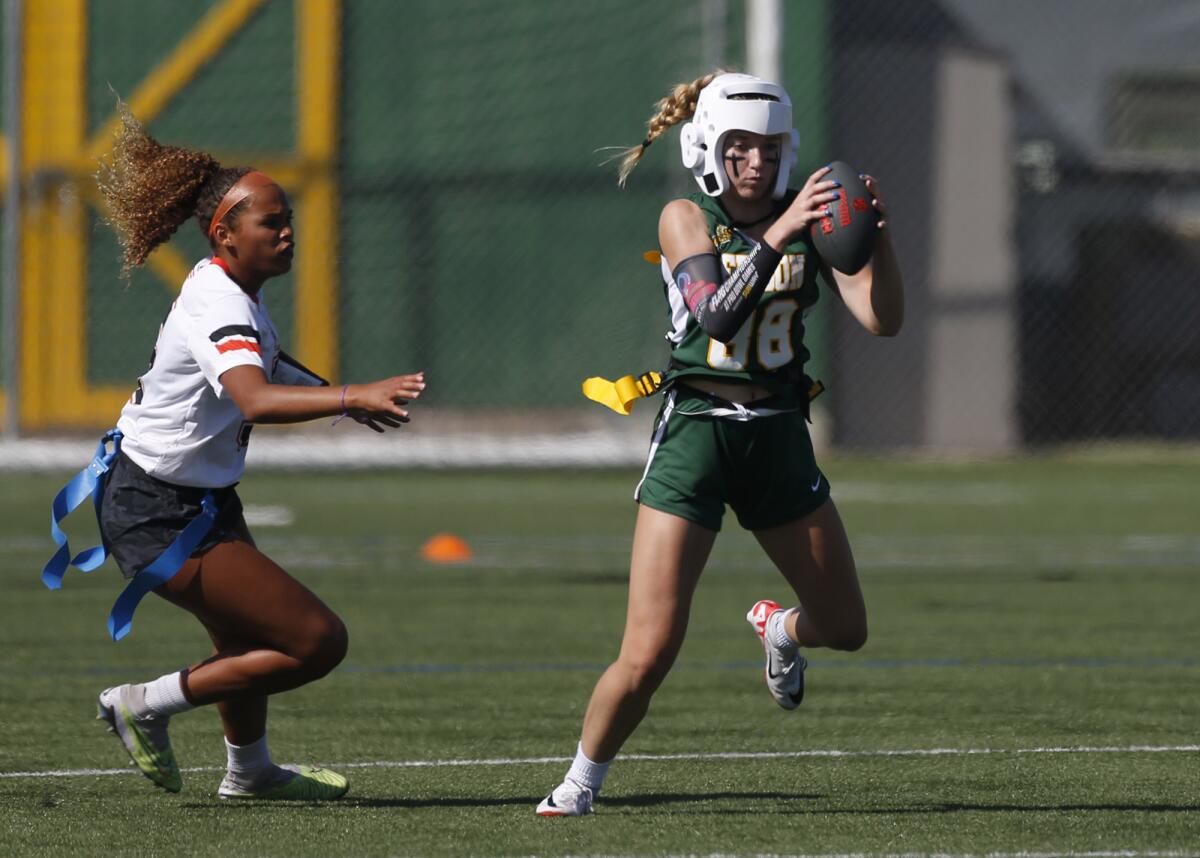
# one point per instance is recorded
(777, 631)
(248, 763)
(164, 696)
(586, 773)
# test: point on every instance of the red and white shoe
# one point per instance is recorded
(785, 665)
(567, 799)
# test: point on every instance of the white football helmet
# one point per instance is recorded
(736, 102)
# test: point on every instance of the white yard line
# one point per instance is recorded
(667, 758)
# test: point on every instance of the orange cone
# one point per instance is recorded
(446, 548)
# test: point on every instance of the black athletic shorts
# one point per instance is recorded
(140, 515)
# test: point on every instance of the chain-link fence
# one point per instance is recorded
(1040, 163)
(1043, 190)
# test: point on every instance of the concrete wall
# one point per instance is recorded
(933, 122)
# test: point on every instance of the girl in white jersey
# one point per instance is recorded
(739, 269)
(218, 369)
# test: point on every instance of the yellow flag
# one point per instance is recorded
(620, 395)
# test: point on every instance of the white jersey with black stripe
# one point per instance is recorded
(180, 424)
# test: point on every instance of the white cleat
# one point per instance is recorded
(144, 738)
(785, 666)
(288, 783)
(567, 799)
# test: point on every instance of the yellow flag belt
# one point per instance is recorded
(620, 395)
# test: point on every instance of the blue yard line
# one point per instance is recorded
(596, 667)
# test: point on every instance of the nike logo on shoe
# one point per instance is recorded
(794, 696)
(784, 670)
(817, 484)
(576, 804)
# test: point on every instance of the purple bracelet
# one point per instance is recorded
(344, 413)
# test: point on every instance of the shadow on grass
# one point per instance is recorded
(958, 807)
(656, 798)
(651, 802)
(635, 801)
(370, 803)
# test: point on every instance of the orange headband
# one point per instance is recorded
(242, 188)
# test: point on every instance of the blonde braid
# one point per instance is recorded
(677, 107)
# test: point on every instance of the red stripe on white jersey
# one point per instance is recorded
(234, 345)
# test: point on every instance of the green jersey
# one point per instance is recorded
(768, 349)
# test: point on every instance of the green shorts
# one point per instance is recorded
(764, 467)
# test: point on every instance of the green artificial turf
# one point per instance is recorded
(1034, 623)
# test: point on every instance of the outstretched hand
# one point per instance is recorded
(378, 404)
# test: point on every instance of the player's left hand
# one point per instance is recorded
(876, 201)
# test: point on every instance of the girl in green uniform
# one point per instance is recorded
(739, 271)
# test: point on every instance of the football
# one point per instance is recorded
(846, 238)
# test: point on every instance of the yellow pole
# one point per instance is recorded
(60, 158)
(159, 87)
(53, 254)
(318, 40)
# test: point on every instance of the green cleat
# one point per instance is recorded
(144, 738)
(293, 783)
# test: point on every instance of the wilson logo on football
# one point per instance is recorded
(844, 241)
(843, 208)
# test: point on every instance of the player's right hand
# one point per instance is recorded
(813, 201)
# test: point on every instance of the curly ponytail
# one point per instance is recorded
(679, 106)
(151, 189)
